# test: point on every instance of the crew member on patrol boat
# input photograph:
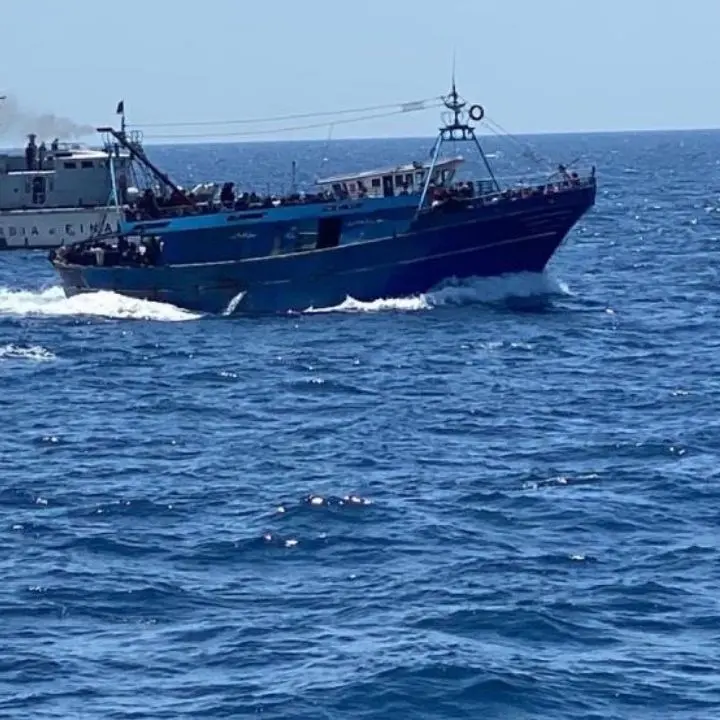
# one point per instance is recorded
(30, 152)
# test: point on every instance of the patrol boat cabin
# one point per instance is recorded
(65, 175)
(60, 192)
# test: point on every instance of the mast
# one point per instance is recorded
(134, 147)
(457, 129)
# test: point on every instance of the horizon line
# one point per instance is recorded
(209, 140)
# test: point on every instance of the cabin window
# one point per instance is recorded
(376, 182)
(419, 176)
(87, 164)
(337, 188)
(409, 179)
(351, 187)
(69, 165)
(398, 180)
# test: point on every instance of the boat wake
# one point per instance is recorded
(520, 291)
(52, 302)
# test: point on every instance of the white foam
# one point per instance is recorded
(35, 353)
(52, 302)
(497, 289)
(475, 290)
(233, 304)
(350, 304)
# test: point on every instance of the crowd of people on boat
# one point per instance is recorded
(147, 251)
(178, 203)
(452, 197)
(118, 251)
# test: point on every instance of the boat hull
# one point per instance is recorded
(400, 265)
(53, 228)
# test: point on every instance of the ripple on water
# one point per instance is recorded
(498, 499)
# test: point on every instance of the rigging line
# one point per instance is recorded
(526, 147)
(251, 133)
(528, 150)
(525, 150)
(404, 107)
(325, 150)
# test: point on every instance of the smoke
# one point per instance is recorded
(18, 122)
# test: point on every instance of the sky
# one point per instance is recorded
(536, 66)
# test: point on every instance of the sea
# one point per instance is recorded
(499, 499)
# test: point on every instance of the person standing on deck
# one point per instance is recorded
(30, 152)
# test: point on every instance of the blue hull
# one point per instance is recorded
(481, 243)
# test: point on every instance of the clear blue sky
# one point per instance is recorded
(536, 65)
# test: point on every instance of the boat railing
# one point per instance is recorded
(439, 196)
(243, 203)
(480, 191)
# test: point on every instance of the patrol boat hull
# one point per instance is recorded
(477, 241)
(53, 228)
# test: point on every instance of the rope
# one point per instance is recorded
(404, 107)
(527, 150)
(247, 133)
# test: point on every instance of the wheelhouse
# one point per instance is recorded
(406, 179)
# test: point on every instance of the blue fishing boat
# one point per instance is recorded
(389, 232)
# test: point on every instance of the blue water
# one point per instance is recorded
(535, 461)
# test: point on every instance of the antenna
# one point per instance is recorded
(453, 69)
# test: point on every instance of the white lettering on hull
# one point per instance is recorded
(53, 229)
